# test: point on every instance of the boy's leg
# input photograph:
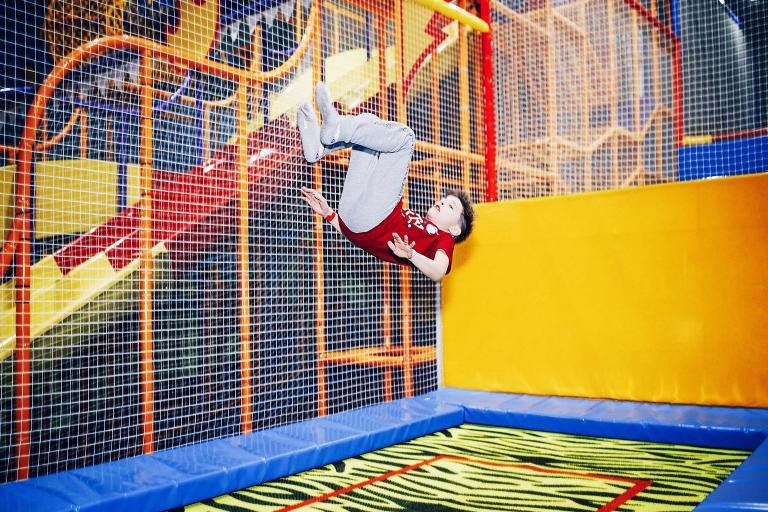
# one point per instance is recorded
(365, 130)
(373, 185)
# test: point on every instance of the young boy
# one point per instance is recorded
(371, 213)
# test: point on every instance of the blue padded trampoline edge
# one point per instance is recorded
(180, 476)
(746, 489)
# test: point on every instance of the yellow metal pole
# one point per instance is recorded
(147, 236)
(455, 13)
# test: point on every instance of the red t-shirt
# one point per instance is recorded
(429, 239)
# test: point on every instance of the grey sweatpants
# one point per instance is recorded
(378, 168)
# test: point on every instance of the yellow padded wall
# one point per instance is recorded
(654, 294)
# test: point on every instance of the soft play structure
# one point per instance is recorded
(179, 331)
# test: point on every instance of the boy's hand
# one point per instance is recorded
(400, 247)
(316, 201)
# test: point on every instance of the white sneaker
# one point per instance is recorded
(331, 130)
(310, 133)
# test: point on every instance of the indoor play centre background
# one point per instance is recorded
(164, 285)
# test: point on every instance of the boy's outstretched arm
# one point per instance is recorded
(434, 269)
(319, 205)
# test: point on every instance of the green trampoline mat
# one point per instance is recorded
(485, 468)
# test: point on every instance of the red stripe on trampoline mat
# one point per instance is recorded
(370, 481)
(637, 487)
(625, 496)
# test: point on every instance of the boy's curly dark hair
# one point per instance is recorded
(467, 216)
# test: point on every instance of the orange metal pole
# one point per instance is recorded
(23, 354)
(585, 97)
(450, 153)
(335, 30)
(44, 129)
(613, 80)
(83, 134)
(435, 83)
(464, 134)
(386, 313)
(147, 236)
(478, 85)
(636, 80)
(206, 133)
(257, 64)
(45, 145)
(405, 272)
(658, 101)
(246, 414)
(297, 24)
(110, 127)
(317, 76)
(552, 97)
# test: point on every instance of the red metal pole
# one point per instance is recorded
(650, 18)
(491, 191)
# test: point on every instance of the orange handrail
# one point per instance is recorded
(45, 145)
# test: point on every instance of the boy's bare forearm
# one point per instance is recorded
(433, 269)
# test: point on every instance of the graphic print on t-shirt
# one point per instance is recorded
(427, 237)
(414, 219)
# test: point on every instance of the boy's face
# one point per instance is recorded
(446, 214)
